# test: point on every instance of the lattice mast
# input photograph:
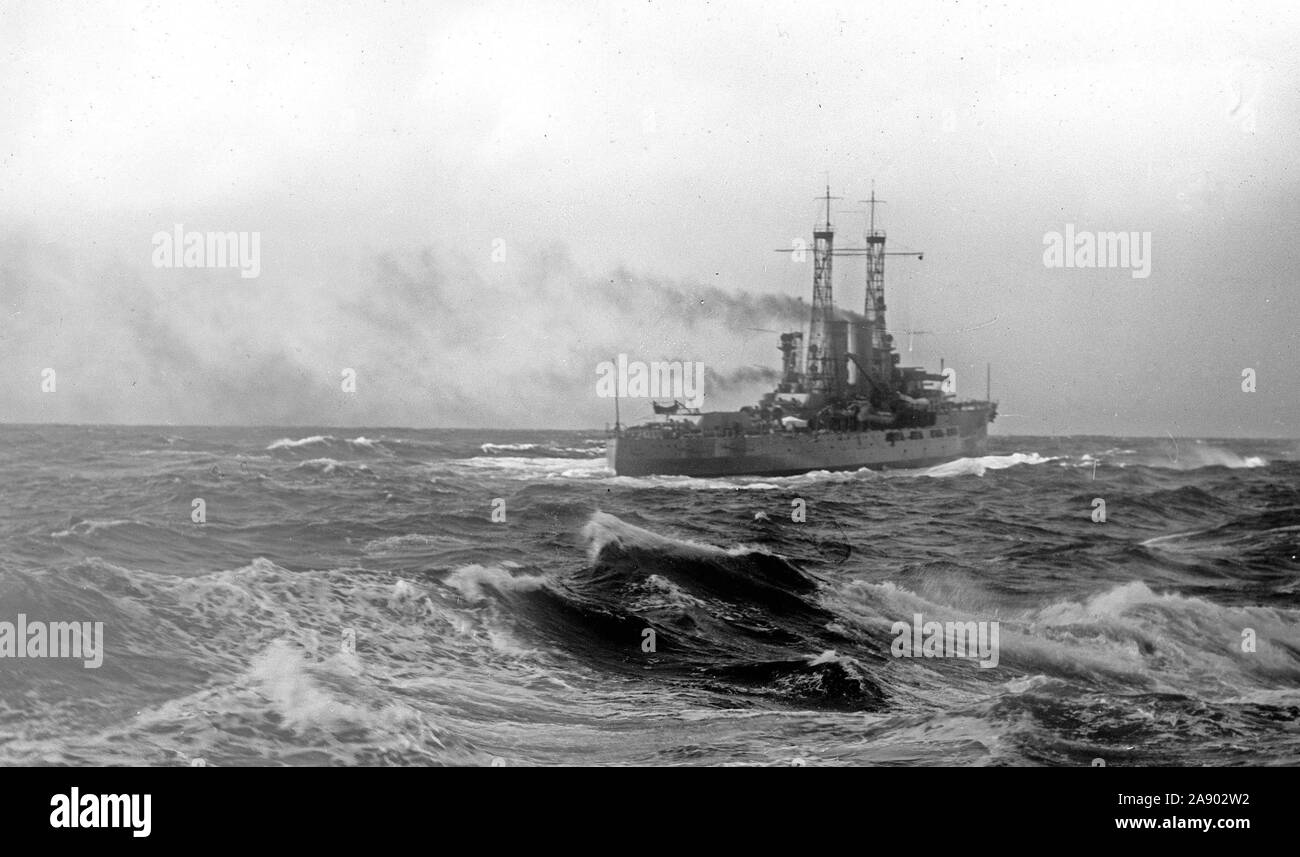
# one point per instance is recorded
(880, 362)
(880, 356)
(823, 370)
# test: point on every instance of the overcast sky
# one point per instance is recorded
(472, 205)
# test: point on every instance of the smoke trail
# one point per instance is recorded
(742, 378)
(433, 341)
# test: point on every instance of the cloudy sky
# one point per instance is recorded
(472, 205)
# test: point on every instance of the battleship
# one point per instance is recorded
(842, 403)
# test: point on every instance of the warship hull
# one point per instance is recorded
(957, 433)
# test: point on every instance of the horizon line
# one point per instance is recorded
(5, 424)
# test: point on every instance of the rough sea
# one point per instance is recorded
(404, 597)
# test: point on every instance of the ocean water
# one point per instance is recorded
(349, 599)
